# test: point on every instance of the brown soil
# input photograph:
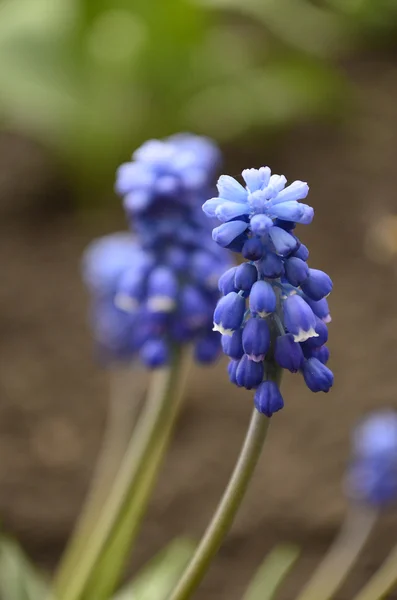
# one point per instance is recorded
(53, 397)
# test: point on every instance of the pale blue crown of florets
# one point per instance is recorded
(372, 473)
(167, 286)
(164, 186)
(274, 310)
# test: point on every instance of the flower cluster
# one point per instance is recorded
(274, 309)
(372, 474)
(167, 289)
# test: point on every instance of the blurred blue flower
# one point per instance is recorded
(372, 473)
(159, 287)
(274, 310)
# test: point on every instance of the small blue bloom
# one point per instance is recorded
(321, 338)
(284, 243)
(229, 313)
(268, 398)
(320, 308)
(249, 373)
(233, 344)
(207, 348)
(302, 252)
(232, 371)
(226, 233)
(321, 353)
(372, 473)
(194, 307)
(226, 281)
(288, 354)
(155, 353)
(317, 285)
(262, 300)
(163, 290)
(296, 271)
(260, 224)
(253, 249)
(271, 266)
(299, 318)
(256, 339)
(245, 277)
(317, 376)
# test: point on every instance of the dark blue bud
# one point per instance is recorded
(296, 271)
(287, 225)
(299, 318)
(229, 313)
(283, 242)
(249, 373)
(317, 285)
(288, 354)
(302, 252)
(238, 243)
(322, 335)
(268, 398)
(320, 308)
(256, 339)
(253, 249)
(245, 277)
(227, 232)
(194, 307)
(233, 344)
(162, 290)
(260, 224)
(321, 353)
(207, 348)
(317, 376)
(226, 282)
(155, 353)
(232, 370)
(262, 300)
(271, 266)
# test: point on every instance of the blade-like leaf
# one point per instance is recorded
(272, 572)
(158, 578)
(19, 579)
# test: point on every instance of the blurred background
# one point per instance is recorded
(308, 87)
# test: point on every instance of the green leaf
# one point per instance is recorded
(272, 573)
(19, 579)
(298, 23)
(158, 578)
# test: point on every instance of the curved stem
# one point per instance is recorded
(383, 582)
(163, 394)
(227, 509)
(342, 555)
(121, 414)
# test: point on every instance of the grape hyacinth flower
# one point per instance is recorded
(164, 285)
(104, 261)
(274, 311)
(372, 474)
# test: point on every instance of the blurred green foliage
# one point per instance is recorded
(92, 79)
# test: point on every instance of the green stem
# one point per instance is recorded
(227, 509)
(339, 560)
(383, 582)
(122, 409)
(164, 393)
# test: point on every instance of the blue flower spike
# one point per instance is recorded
(158, 287)
(372, 473)
(274, 312)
